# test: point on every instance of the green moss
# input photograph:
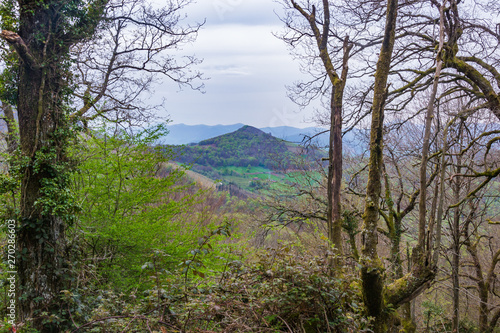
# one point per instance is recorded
(408, 326)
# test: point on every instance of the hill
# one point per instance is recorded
(247, 146)
(247, 159)
(180, 134)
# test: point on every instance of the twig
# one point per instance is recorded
(291, 331)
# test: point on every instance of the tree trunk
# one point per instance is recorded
(334, 181)
(482, 289)
(455, 260)
(426, 139)
(41, 239)
(43, 131)
(372, 269)
(334, 217)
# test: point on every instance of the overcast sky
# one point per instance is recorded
(248, 68)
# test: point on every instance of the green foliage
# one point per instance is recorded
(258, 184)
(436, 321)
(101, 309)
(432, 313)
(9, 183)
(8, 82)
(126, 207)
(9, 73)
(195, 263)
(282, 290)
(8, 15)
(132, 207)
(54, 171)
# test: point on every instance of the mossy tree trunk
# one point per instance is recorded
(377, 293)
(394, 222)
(40, 236)
(372, 269)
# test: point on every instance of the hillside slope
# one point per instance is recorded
(247, 146)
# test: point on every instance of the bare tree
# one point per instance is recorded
(117, 68)
(318, 30)
(482, 273)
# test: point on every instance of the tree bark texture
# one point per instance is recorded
(41, 239)
(372, 269)
(334, 215)
(47, 29)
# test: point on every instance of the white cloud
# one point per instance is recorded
(232, 71)
(228, 39)
(248, 68)
(250, 12)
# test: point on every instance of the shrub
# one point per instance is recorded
(283, 291)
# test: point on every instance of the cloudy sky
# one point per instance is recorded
(248, 68)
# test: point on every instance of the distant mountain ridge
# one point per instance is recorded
(247, 159)
(182, 134)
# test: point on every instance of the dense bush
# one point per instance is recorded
(281, 290)
(284, 290)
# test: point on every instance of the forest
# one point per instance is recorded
(100, 232)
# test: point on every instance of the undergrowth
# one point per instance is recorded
(280, 290)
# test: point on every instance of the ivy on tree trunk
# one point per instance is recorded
(47, 30)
